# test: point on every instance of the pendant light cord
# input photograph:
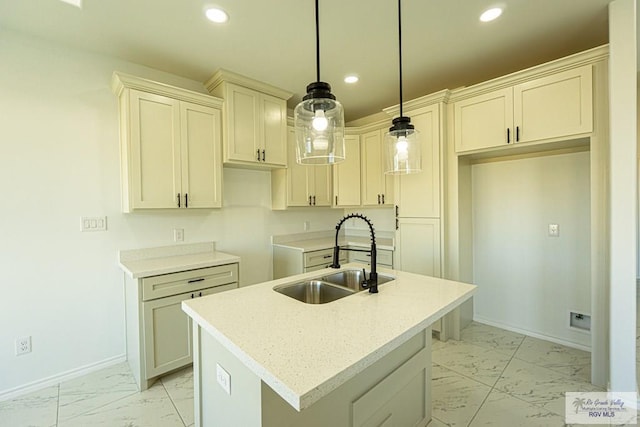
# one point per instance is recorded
(317, 43)
(399, 49)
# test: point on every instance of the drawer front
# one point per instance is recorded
(188, 281)
(311, 259)
(384, 257)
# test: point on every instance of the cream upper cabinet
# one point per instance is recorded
(255, 120)
(377, 188)
(299, 185)
(346, 175)
(418, 194)
(555, 106)
(170, 146)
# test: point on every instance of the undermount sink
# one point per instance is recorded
(352, 279)
(314, 291)
(328, 288)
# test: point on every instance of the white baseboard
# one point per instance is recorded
(57, 379)
(560, 341)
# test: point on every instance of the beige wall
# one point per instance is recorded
(526, 279)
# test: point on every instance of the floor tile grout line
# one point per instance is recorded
(173, 403)
(493, 387)
(58, 407)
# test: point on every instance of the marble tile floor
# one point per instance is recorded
(491, 377)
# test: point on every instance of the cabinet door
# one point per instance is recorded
(167, 331)
(273, 130)
(154, 163)
(484, 121)
(346, 175)
(297, 185)
(418, 246)
(200, 152)
(243, 124)
(418, 194)
(554, 106)
(320, 184)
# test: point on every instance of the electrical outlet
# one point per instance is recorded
(223, 378)
(178, 235)
(307, 225)
(23, 345)
(554, 230)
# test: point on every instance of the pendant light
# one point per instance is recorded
(319, 121)
(402, 143)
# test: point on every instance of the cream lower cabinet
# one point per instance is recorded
(170, 146)
(384, 257)
(346, 175)
(418, 246)
(555, 106)
(300, 185)
(289, 261)
(377, 188)
(158, 331)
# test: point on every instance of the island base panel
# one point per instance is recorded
(396, 390)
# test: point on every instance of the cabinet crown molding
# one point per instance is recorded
(121, 81)
(223, 75)
(417, 103)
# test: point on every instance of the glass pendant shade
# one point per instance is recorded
(402, 148)
(319, 126)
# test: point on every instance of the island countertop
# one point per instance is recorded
(305, 351)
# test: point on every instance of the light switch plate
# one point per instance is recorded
(224, 379)
(93, 223)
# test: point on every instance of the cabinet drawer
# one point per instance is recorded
(324, 256)
(188, 281)
(384, 257)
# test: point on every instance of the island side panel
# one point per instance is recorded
(396, 389)
(213, 406)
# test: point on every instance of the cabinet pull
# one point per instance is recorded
(178, 199)
(397, 211)
(383, 199)
(200, 294)
(258, 151)
(309, 200)
(508, 135)
(378, 199)
(336, 200)
(314, 200)
(192, 296)
(327, 256)
(196, 280)
(186, 200)
(397, 223)
(517, 133)
(263, 158)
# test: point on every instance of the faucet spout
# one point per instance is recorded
(372, 282)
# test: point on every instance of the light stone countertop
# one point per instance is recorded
(171, 259)
(305, 351)
(309, 245)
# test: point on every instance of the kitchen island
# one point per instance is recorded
(262, 358)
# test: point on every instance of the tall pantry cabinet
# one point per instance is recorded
(418, 196)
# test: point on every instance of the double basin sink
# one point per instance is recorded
(329, 287)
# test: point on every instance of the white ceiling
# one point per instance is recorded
(444, 43)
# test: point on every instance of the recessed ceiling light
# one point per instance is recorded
(352, 78)
(216, 15)
(76, 3)
(490, 14)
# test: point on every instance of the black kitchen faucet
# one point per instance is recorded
(372, 282)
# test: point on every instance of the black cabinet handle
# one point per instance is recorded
(327, 256)
(258, 151)
(508, 135)
(383, 199)
(192, 295)
(397, 223)
(186, 200)
(314, 200)
(517, 133)
(196, 280)
(263, 158)
(178, 199)
(309, 200)
(378, 199)
(200, 294)
(397, 210)
(336, 200)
